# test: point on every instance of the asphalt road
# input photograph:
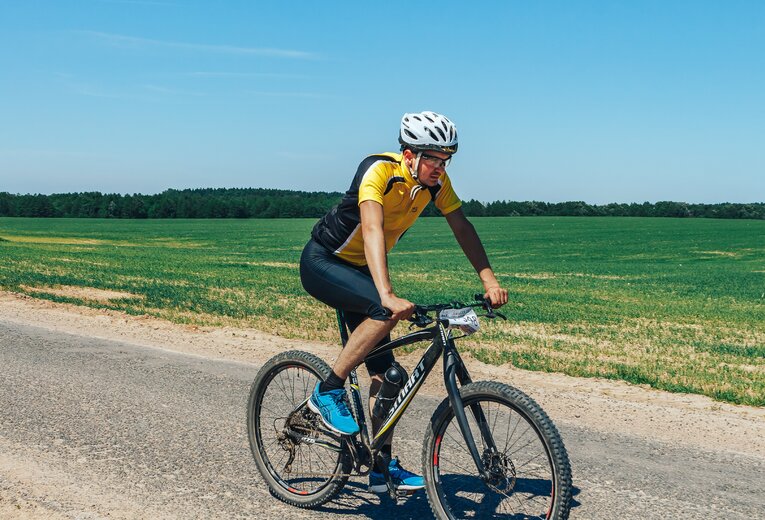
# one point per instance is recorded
(105, 429)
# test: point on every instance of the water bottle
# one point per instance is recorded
(393, 380)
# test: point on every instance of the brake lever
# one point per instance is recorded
(419, 320)
(494, 314)
(490, 312)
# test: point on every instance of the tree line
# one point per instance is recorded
(272, 203)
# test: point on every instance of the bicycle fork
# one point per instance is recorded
(454, 369)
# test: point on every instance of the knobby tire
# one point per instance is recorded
(532, 470)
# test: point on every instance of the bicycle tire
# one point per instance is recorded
(283, 383)
(531, 463)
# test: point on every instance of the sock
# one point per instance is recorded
(333, 382)
(386, 454)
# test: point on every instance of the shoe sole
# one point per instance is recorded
(315, 409)
(383, 488)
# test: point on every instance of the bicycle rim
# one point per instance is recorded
(300, 468)
(524, 480)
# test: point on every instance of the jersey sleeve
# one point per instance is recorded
(446, 200)
(372, 183)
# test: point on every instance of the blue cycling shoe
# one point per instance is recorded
(405, 480)
(333, 410)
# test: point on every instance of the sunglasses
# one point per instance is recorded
(434, 161)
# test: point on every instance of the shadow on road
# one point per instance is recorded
(574, 492)
(357, 501)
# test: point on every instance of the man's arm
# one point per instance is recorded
(468, 239)
(377, 259)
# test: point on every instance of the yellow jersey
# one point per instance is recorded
(383, 178)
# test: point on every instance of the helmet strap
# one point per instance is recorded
(413, 171)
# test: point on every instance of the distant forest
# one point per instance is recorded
(268, 203)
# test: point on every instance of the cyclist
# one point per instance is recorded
(345, 263)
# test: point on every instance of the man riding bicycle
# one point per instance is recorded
(345, 263)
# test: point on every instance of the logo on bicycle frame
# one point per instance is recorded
(413, 381)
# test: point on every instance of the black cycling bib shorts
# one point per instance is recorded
(347, 287)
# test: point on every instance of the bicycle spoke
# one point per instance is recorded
(274, 413)
(496, 418)
(292, 389)
(457, 441)
(282, 386)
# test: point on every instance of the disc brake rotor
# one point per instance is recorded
(502, 475)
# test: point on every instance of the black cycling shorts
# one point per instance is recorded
(346, 287)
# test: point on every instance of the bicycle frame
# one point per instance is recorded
(442, 342)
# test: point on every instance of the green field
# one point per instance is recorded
(677, 304)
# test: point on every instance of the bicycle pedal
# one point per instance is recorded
(405, 493)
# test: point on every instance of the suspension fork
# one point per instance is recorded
(454, 368)
(480, 418)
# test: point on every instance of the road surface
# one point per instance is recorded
(93, 428)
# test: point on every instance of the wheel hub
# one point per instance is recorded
(502, 475)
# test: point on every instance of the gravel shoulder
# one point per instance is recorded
(609, 407)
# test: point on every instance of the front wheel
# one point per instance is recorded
(527, 464)
(303, 464)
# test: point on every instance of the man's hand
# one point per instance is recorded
(400, 308)
(497, 295)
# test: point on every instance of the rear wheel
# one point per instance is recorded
(303, 464)
(529, 471)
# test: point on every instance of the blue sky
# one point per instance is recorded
(601, 101)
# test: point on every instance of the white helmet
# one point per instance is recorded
(428, 131)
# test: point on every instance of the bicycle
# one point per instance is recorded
(490, 451)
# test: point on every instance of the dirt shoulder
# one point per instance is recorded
(607, 406)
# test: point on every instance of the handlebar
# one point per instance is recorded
(420, 317)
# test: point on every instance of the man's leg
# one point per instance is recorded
(376, 368)
(374, 387)
(361, 342)
(405, 480)
(351, 288)
(328, 398)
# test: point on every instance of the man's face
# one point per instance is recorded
(432, 166)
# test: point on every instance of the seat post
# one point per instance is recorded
(341, 324)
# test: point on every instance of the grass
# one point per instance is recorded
(677, 304)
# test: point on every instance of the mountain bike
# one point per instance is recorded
(490, 451)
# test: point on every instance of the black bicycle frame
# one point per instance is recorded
(454, 370)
